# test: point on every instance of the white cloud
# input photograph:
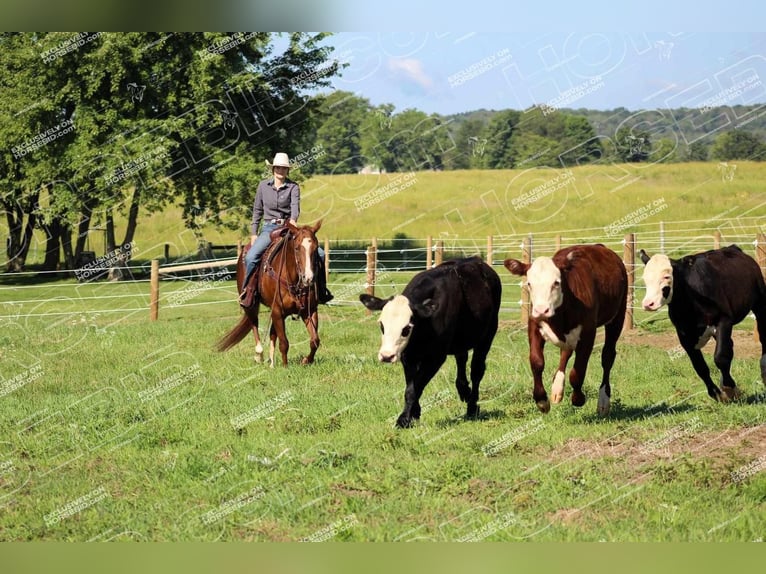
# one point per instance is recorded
(411, 69)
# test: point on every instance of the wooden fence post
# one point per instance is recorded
(239, 248)
(558, 242)
(760, 257)
(717, 239)
(629, 260)
(526, 257)
(154, 291)
(167, 252)
(489, 250)
(371, 267)
(439, 257)
(327, 259)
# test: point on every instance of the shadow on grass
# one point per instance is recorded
(493, 414)
(619, 412)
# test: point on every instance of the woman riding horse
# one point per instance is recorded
(277, 202)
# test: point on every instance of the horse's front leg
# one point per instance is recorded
(312, 326)
(278, 332)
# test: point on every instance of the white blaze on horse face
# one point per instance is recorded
(396, 327)
(658, 276)
(544, 282)
(308, 272)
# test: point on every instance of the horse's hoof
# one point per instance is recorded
(731, 394)
(544, 405)
(259, 357)
(306, 361)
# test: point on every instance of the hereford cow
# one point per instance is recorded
(707, 294)
(577, 290)
(447, 310)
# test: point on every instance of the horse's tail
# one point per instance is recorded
(234, 336)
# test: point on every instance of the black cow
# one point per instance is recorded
(707, 294)
(447, 310)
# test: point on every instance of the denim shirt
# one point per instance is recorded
(271, 203)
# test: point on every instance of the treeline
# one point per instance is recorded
(354, 135)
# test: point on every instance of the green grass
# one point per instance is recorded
(131, 429)
(115, 427)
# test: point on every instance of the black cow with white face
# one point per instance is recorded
(447, 310)
(707, 294)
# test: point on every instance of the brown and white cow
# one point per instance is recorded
(707, 294)
(579, 289)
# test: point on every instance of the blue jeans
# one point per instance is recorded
(254, 254)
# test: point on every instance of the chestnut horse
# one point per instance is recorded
(286, 285)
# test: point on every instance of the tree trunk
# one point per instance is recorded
(66, 245)
(82, 230)
(124, 252)
(19, 237)
(53, 245)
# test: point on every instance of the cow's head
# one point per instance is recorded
(543, 282)
(398, 318)
(548, 278)
(658, 276)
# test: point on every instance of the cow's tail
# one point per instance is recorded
(234, 336)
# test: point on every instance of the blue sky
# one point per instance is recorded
(445, 73)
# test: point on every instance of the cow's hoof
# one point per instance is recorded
(578, 399)
(544, 406)
(730, 394)
(472, 413)
(403, 422)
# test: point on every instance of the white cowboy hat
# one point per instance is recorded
(280, 160)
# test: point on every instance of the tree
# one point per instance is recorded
(418, 142)
(470, 145)
(152, 116)
(698, 151)
(343, 118)
(632, 145)
(500, 130)
(737, 144)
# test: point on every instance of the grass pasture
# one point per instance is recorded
(113, 427)
(116, 428)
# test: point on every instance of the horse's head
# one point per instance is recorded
(306, 244)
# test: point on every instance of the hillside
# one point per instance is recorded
(603, 202)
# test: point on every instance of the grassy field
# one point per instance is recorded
(113, 427)
(116, 428)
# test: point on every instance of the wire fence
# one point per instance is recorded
(352, 271)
